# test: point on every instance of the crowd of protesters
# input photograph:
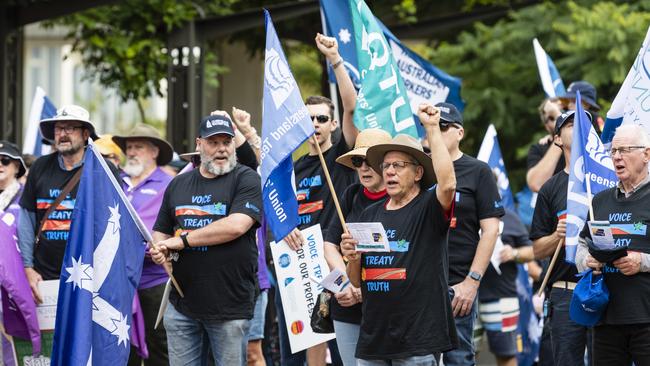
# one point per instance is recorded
(418, 304)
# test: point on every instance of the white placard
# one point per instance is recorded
(371, 236)
(293, 270)
(496, 253)
(46, 311)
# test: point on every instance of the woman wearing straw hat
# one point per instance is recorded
(346, 308)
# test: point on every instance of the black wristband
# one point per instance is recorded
(186, 244)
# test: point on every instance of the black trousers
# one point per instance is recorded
(622, 345)
(150, 299)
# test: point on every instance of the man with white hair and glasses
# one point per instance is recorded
(623, 334)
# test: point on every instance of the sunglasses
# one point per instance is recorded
(321, 118)
(5, 161)
(357, 161)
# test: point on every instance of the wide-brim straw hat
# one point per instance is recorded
(107, 146)
(365, 139)
(146, 132)
(408, 145)
(67, 113)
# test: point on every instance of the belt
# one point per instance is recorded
(565, 285)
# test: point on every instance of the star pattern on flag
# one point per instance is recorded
(80, 272)
(121, 330)
(345, 36)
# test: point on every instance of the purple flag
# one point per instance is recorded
(19, 309)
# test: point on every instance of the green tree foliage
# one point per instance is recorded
(593, 41)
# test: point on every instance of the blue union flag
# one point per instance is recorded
(286, 124)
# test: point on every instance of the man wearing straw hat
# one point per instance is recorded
(623, 334)
(208, 217)
(548, 230)
(144, 183)
(346, 307)
(407, 315)
(50, 176)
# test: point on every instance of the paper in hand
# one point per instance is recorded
(370, 235)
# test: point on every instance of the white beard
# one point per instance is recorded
(133, 168)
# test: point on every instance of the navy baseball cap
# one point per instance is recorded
(449, 113)
(589, 300)
(587, 92)
(566, 117)
(214, 125)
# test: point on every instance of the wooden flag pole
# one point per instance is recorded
(550, 267)
(329, 183)
(168, 270)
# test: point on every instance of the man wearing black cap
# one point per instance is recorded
(70, 129)
(144, 183)
(477, 207)
(208, 219)
(548, 230)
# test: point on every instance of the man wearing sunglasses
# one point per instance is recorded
(568, 338)
(477, 208)
(69, 129)
(623, 334)
(544, 158)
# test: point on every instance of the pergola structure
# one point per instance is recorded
(185, 70)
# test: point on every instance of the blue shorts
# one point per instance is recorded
(256, 330)
(502, 344)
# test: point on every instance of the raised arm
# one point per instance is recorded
(442, 164)
(330, 49)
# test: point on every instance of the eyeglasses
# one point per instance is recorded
(5, 161)
(397, 165)
(321, 118)
(357, 161)
(68, 129)
(624, 150)
(445, 126)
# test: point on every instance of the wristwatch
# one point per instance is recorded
(475, 276)
(186, 244)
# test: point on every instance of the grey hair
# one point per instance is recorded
(638, 133)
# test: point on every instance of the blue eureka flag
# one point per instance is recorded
(42, 108)
(590, 164)
(490, 152)
(100, 273)
(337, 22)
(631, 102)
(548, 74)
(286, 124)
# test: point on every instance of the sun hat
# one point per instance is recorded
(406, 144)
(107, 146)
(146, 132)
(365, 139)
(587, 92)
(67, 113)
(11, 150)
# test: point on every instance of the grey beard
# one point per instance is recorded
(208, 165)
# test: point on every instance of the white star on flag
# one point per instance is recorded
(344, 35)
(121, 330)
(80, 272)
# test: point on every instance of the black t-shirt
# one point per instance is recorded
(219, 281)
(550, 207)
(494, 285)
(537, 152)
(44, 183)
(477, 198)
(353, 202)
(406, 306)
(315, 203)
(629, 302)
